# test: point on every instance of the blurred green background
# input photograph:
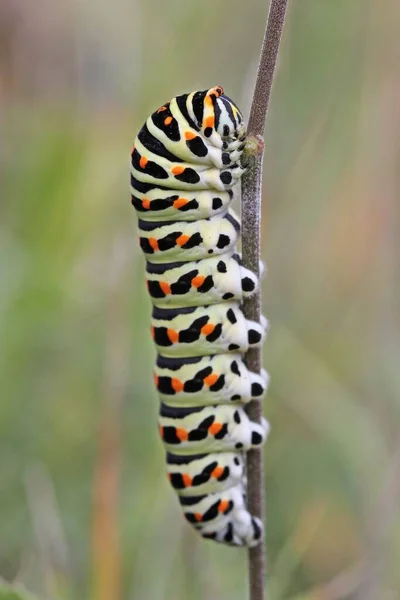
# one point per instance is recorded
(85, 509)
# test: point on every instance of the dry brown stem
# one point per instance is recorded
(251, 219)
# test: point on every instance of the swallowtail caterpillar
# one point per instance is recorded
(184, 170)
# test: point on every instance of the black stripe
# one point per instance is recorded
(228, 105)
(175, 412)
(157, 205)
(152, 168)
(198, 106)
(168, 314)
(176, 363)
(189, 175)
(159, 269)
(190, 500)
(228, 537)
(197, 146)
(144, 187)
(181, 102)
(177, 459)
(150, 142)
(233, 221)
(217, 113)
(151, 225)
(172, 129)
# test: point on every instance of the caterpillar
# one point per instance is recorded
(185, 162)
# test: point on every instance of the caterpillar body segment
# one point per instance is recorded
(155, 204)
(169, 242)
(201, 474)
(203, 381)
(223, 517)
(187, 175)
(216, 428)
(204, 330)
(185, 164)
(201, 282)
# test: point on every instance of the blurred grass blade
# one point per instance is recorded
(14, 592)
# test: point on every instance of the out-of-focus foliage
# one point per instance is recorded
(11, 592)
(85, 510)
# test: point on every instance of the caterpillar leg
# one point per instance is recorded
(259, 384)
(264, 324)
(265, 376)
(256, 332)
(262, 268)
(249, 282)
(225, 157)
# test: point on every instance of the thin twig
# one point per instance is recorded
(266, 67)
(251, 217)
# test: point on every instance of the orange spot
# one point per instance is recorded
(223, 506)
(182, 239)
(198, 516)
(152, 332)
(180, 202)
(187, 480)
(177, 170)
(198, 281)
(168, 120)
(133, 150)
(209, 122)
(153, 243)
(208, 100)
(218, 471)
(169, 476)
(143, 162)
(146, 203)
(176, 385)
(173, 335)
(162, 108)
(189, 135)
(207, 329)
(182, 434)
(166, 288)
(147, 283)
(216, 91)
(155, 379)
(215, 428)
(211, 379)
(161, 430)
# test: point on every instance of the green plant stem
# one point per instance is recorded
(251, 221)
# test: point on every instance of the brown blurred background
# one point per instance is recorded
(85, 509)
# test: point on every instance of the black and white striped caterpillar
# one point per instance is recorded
(185, 163)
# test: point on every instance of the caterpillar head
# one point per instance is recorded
(215, 112)
(228, 118)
